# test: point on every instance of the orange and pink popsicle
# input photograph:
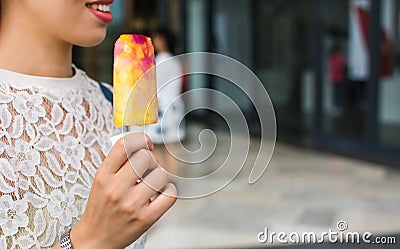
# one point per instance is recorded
(135, 85)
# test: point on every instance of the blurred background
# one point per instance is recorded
(332, 71)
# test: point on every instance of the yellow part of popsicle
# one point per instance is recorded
(135, 85)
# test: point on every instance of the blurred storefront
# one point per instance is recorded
(331, 68)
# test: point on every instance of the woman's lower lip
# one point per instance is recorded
(106, 17)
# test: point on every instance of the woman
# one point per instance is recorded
(55, 128)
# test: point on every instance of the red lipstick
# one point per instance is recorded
(101, 10)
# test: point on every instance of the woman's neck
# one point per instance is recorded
(31, 52)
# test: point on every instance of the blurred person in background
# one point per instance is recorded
(170, 129)
(337, 74)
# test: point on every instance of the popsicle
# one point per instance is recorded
(135, 85)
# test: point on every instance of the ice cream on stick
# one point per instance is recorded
(135, 85)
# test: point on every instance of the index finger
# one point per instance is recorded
(124, 148)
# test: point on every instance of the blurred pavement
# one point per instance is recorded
(302, 191)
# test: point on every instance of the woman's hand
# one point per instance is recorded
(119, 209)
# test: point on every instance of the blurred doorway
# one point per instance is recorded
(389, 85)
(283, 60)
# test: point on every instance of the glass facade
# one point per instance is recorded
(347, 100)
(389, 85)
(331, 67)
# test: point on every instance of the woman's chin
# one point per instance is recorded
(90, 40)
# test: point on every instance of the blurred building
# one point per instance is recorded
(288, 45)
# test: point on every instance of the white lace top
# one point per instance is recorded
(54, 134)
